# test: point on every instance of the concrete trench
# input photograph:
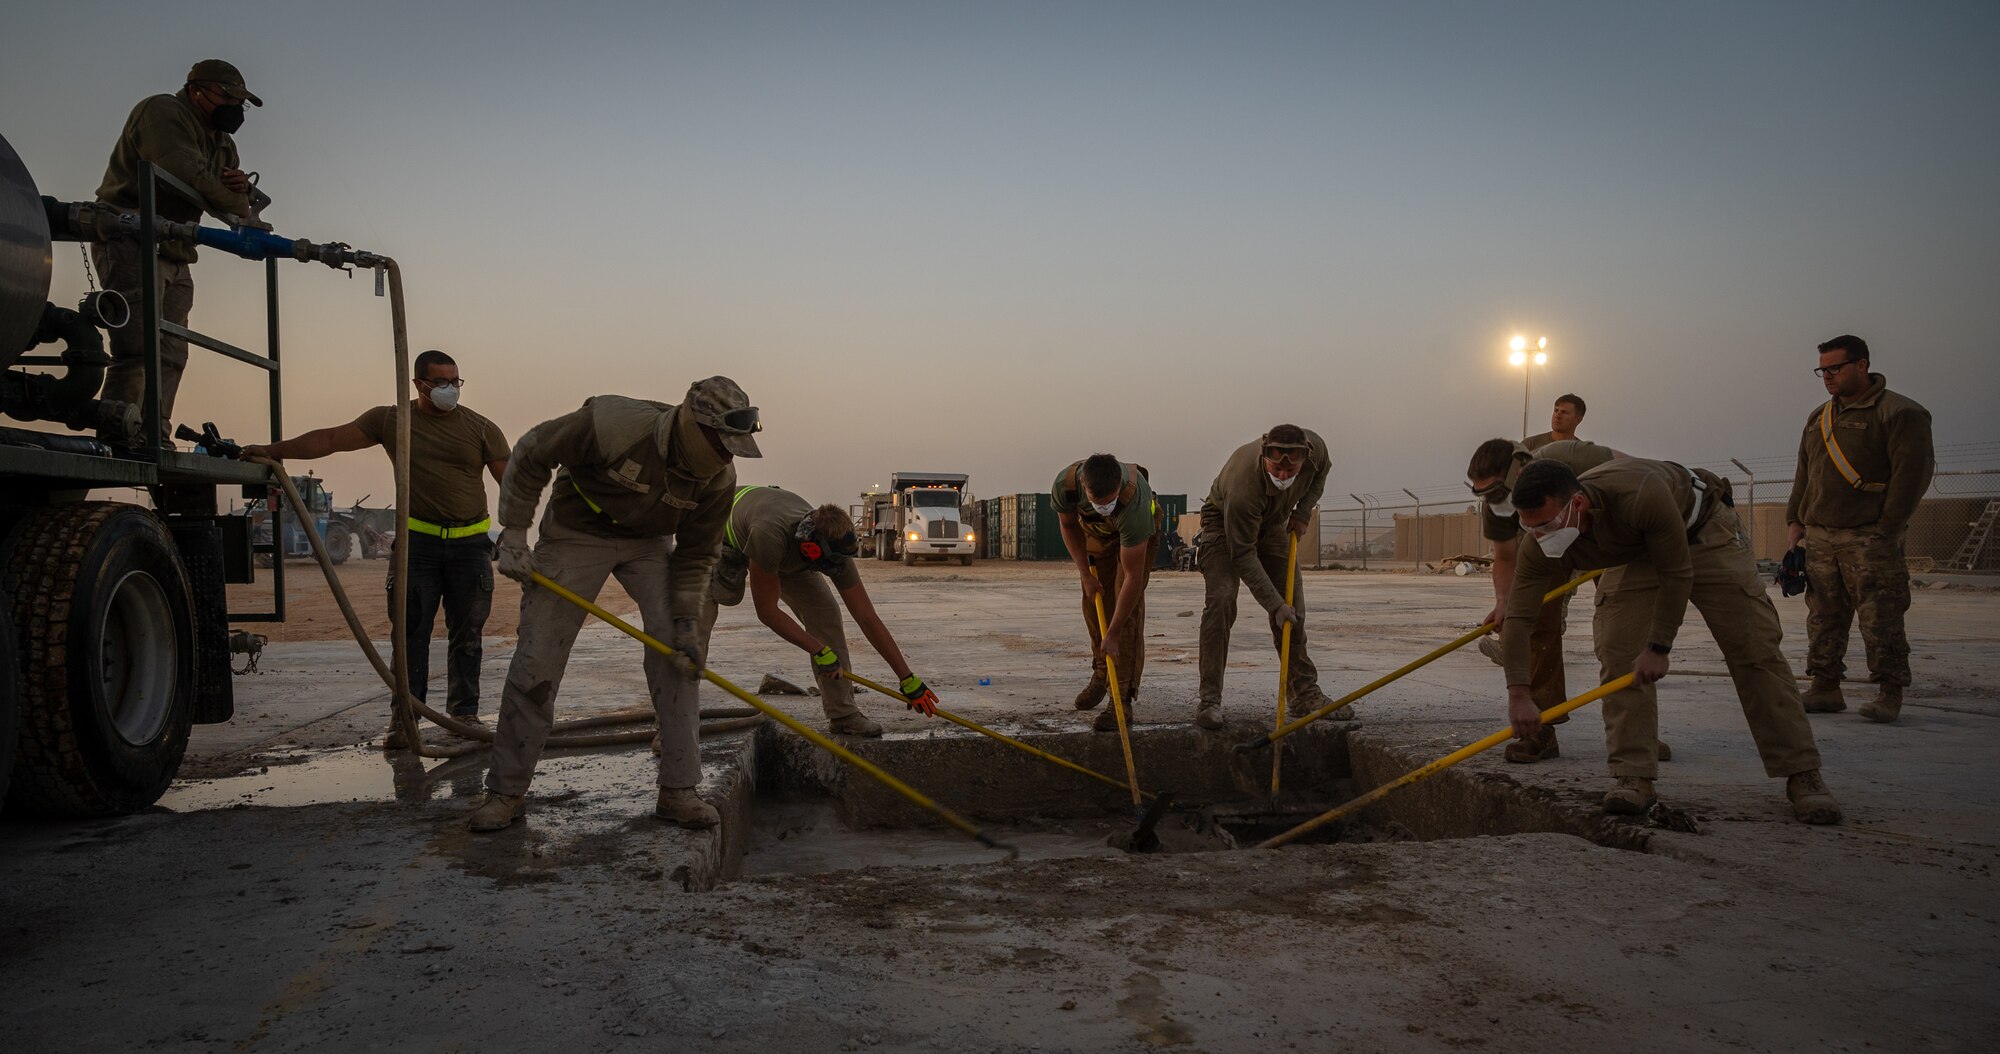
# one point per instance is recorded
(772, 785)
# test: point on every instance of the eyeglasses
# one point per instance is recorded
(1285, 455)
(1493, 490)
(1828, 371)
(455, 382)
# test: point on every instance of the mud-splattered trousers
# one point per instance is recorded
(1856, 572)
(549, 624)
(1218, 613)
(1103, 555)
(458, 574)
(813, 603)
(118, 267)
(1732, 600)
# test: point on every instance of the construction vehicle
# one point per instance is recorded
(114, 618)
(921, 517)
(341, 529)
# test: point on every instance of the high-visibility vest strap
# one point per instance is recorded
(438, 530)
(1839, 456)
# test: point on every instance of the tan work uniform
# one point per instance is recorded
(760, 531)
(1855, 527)
(1245, 538)
(628, 502)
(172, 133)
(1547, 684)
(1649, 514)
(451, 557)
(1136, 522)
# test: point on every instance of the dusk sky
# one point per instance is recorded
(996, 238)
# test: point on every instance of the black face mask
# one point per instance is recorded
(226, 119)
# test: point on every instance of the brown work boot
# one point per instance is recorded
(1300, 705)
(1541, 748)
(1811, 802)
(683, 806)
(1093, 693)
(1108, 720)
(1886, 706)
(1632, 797)
(1824, 698)
(855, 724)
(1489, 646)
(497, 812)
(1662, 751)
(1208, 715)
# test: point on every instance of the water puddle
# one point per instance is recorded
(366, 774)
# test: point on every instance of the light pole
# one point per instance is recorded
(1521, 358)
(1420, 527)
(1364, 528)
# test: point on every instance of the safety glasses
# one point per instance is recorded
(742, 421)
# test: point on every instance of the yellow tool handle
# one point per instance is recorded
(1117, 705)
(1001, 736)
(1285, 656)
(1443, 763)
(908, 792)
(1484, 628)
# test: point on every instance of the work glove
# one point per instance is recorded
(1792, 572)
(687, 647)
(1282, 614)
(826, 664)
(515, 561)
(921, 698)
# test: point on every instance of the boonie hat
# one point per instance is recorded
(226, 75)
(718, 403)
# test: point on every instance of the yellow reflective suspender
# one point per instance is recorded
(729, 524)
(1839, 456)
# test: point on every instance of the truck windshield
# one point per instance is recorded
(925, 499)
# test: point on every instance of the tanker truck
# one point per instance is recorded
(114, 616)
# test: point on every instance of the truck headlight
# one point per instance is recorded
(913, 536)
(968, 536)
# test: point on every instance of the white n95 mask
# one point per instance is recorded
(1104, 510)
(1281, 484)
(444, 397)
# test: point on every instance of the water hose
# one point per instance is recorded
(909, 793)
(1118, 707)
(1484, 628)
(1001, 737)
(1285, 654)
(1443, 763)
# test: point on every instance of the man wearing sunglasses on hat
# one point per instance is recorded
(451, 557)
(1680, 525)
(1262, 498)
(1111, 526)
(1490, 476)
(1865, 461)
(787, 550)
(641, 492)
(187, 135)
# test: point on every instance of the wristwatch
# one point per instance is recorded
(1659, 649)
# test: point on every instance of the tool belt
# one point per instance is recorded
(451, 532)
(1839, 456)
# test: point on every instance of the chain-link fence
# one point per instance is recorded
(1437, 527)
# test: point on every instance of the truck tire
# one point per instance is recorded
(10, 693)
(909, 558)
(339, 543)
(965, 561)
(105, 654)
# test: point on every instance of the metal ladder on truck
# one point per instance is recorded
(1975, 542)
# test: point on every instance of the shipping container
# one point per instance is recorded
(976, 523)
(1039, 532)
(990, 545)
(1010, 527)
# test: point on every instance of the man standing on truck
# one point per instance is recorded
(788, 551)
(642, 492)
(188, 136)
(1111, 526)
(1262, 498)
(451, 558)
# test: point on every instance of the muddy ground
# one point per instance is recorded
(324, 897)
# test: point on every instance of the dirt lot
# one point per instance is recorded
(329, 898)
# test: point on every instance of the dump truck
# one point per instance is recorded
(921, 517)
(114, 616)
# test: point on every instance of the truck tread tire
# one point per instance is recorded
(909, 558)
(105, 653)
(339, 543)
